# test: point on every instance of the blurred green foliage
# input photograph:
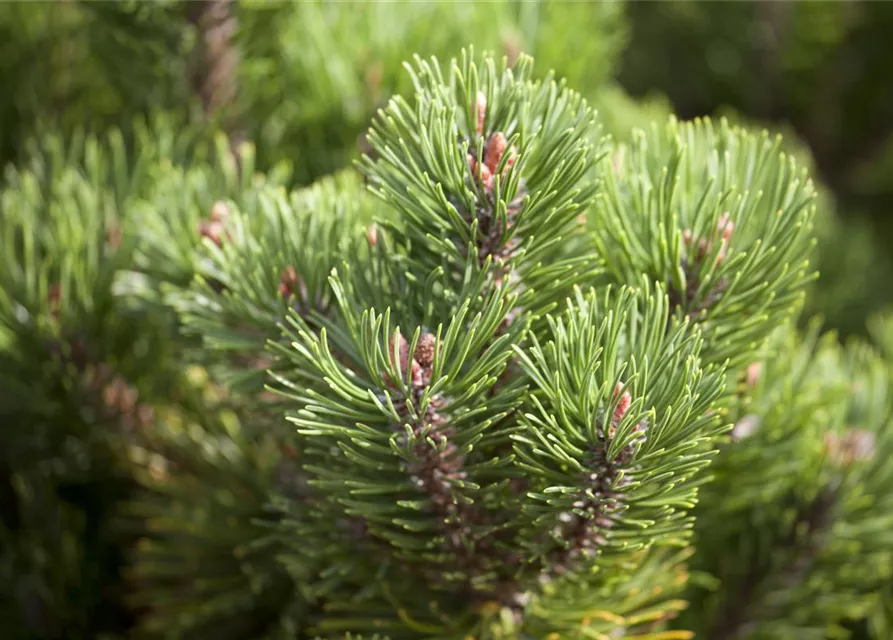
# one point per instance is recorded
(820, 70)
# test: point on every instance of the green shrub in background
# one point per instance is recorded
(821, 69)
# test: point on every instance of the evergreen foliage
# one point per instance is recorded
(506, 377)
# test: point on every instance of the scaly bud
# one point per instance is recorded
(480, 112)
(485, 176)
(494, 151)
(287, 281)
(725, 226)
(424, 352)
(54, 297)
(622, 404)
(754, 370)
(398, 343)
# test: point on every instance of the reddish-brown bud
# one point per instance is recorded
(622, 404)
(54, 298)
(494, 151)
(398, 343)
(292, 284)
(424, 352)
(485, 176)
(212, 230)
(372, 235)
(725, 227)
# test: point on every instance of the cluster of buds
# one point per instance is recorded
(214, 227)
(854, 445)
(705, 246)
(494, 150)
(420, 364)
(583, 531)
(701, 248)
(292, 285)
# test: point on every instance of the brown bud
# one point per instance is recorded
(424, 352)
(54, 298)
(113, 237)
(754, 370)
(219, 212)
(286, 281)
(372, 235)
(494, 151)
(622, 404)
(854, 445)
(291, 284)
(398, 343)
(480, 112)
(212, 230)
(485, 176)
(725, 227)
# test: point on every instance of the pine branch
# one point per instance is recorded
(720, 216)
(808, 531)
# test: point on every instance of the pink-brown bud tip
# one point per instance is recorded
(287, 282)
(494, 151)
(752, 376)
(725, 226)
(398, 343)
(372, 235)
(485, 176)
(219, 212)
(480, 112)
(622, 404)
(212, 230)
